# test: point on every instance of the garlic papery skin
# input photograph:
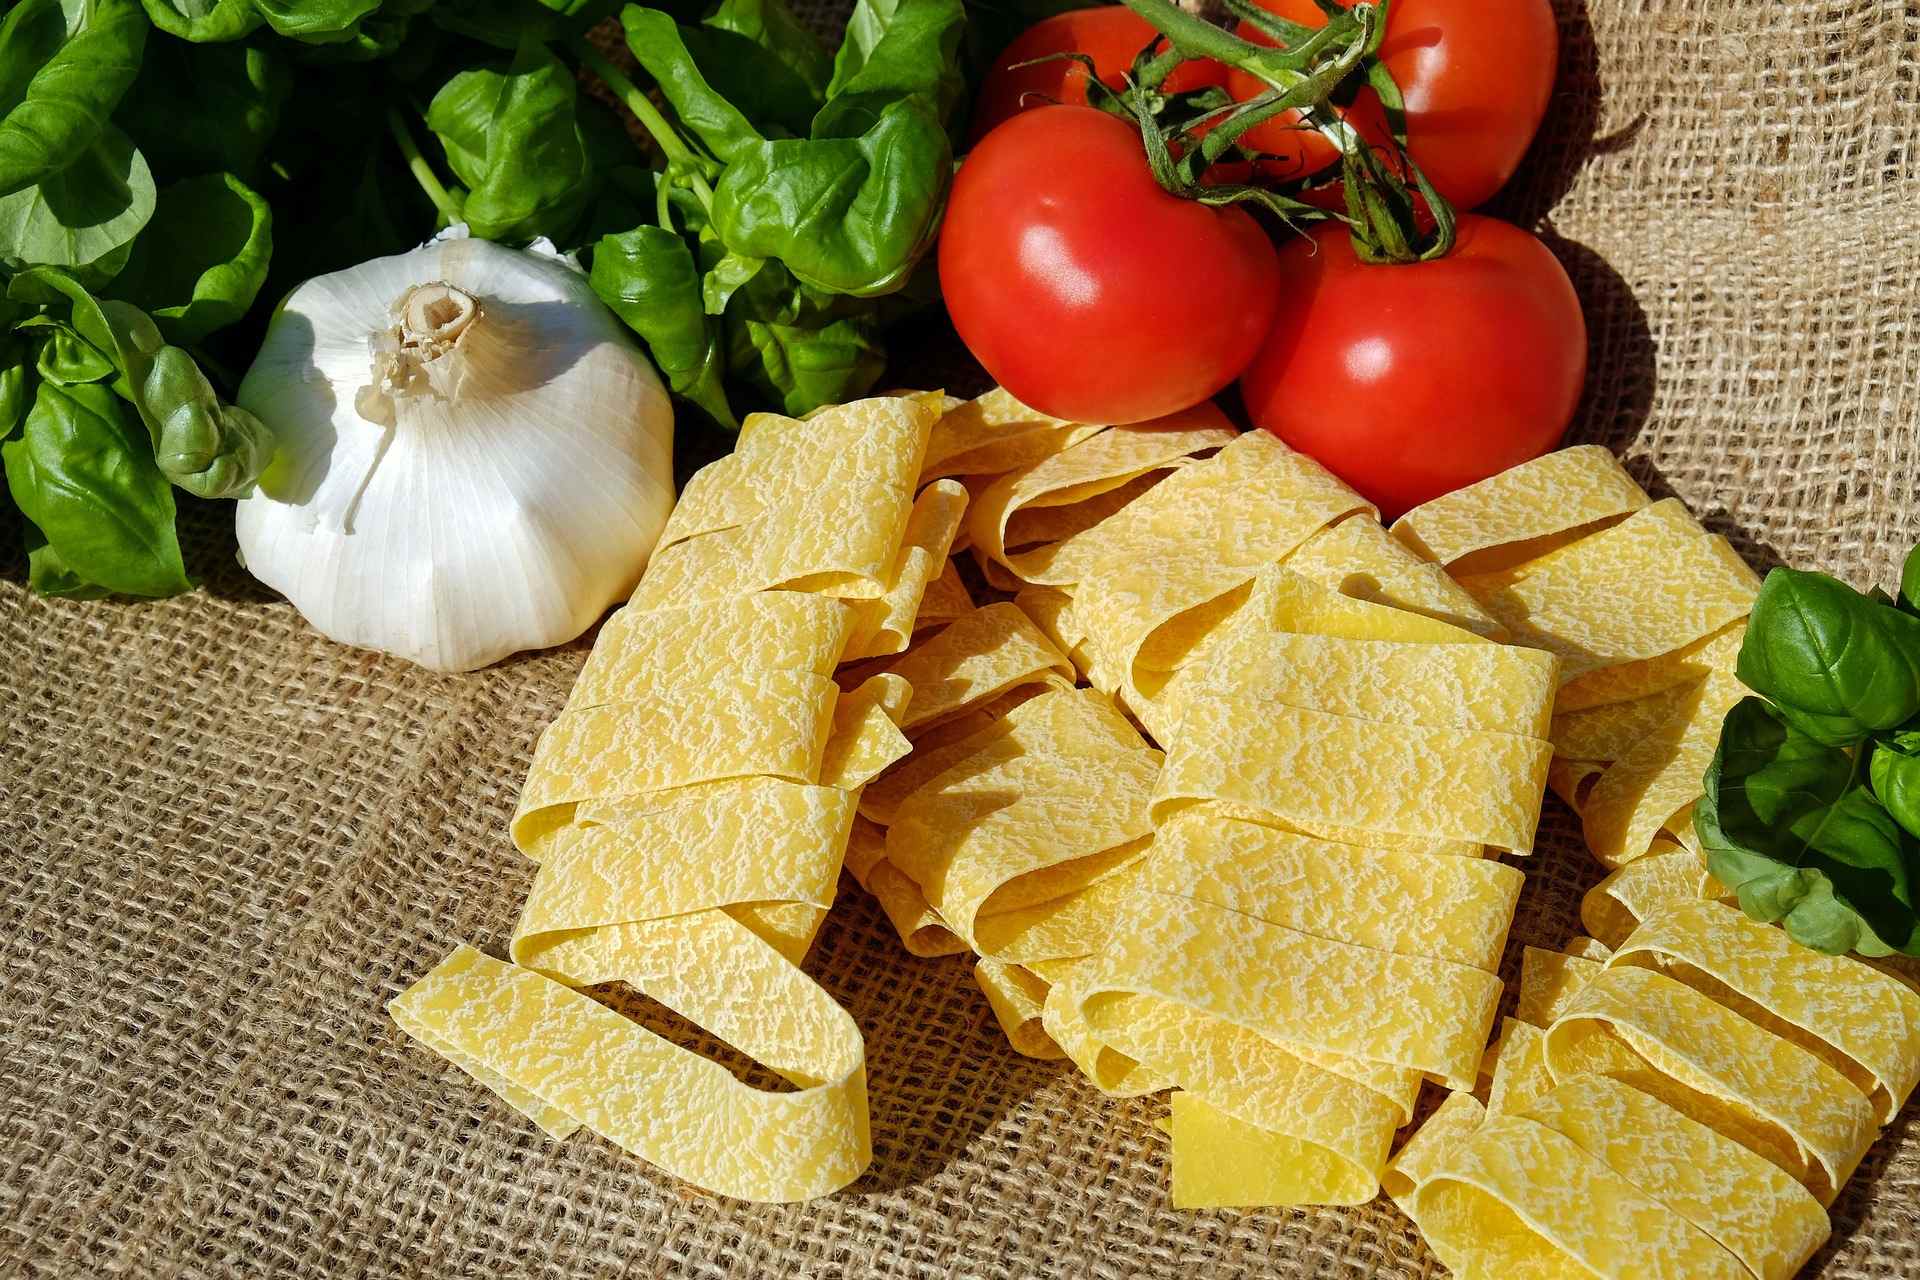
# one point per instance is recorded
(475, 456)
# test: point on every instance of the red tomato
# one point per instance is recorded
(1412, 381)
(1084, 288)
(1112, 35)
(1475, 74)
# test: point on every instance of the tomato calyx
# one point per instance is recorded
(1307, 72)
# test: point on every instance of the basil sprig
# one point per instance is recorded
(799, 197)
(1812, 806)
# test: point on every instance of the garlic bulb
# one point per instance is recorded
(475, 458)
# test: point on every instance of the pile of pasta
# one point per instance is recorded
(1684, 1106)
(690, 809)
(1682, 1093)
(1289, 918)
(1221, 783)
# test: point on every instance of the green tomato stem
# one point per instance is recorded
(1301, 76)
(422, 170)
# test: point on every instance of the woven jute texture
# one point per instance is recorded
(225, 843)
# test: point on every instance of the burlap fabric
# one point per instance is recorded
(227, 842)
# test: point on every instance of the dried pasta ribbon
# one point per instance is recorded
(1018, 819)
(1646, 609)
(1335, 770)
(691, 807)
(1707, 1089)
(1141, 540)
(1644, 888)
(993, 434)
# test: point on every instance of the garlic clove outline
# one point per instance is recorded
(475, 456)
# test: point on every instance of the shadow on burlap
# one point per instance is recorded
(228, 842)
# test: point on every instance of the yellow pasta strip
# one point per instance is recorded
(1068, 766)
(996, 433)
(1714, 1052)
(1359, 558)
(1018, 821)
(840, 537)
(583, 1061)
(1651, 585)
(1079, 477)
(1163, 571)
(1456, 1120)
(946, 599)
(978, 657)
(1018, 999)
(1568, 491)
(1223, 1162)
(921, 930)
(1871, 1018)
(1549, 980)
(1358, 895)
(1520, 1074)
(885, 625)
(691, 810)
(1312, 767)
(1752, 1209)
(1522, 1198)
(1640, 890)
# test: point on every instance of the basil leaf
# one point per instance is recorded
(770, 25)
(316, 21)
(1910, 582)
(210, 449)
(756, 54)
(203, 259)
(1786, 824)
(648, 277)
(50, 575)
(514, 137)
(1894, 770)
(64, 65)
(67, 358)
(800, 349)
(656, 41)
(894, 50)
(81, 472)
(205, 21)
(1839, 665)
(83, 213)
(224, 125)
(16, 390)
(376, 37)
(849, 215)
(724, 277)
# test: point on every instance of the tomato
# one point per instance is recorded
(1084, 288)
(1411, 381)
(1475, 75)
(1112, 35)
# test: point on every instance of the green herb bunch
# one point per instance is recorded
(168, 168)
(1812, 805)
